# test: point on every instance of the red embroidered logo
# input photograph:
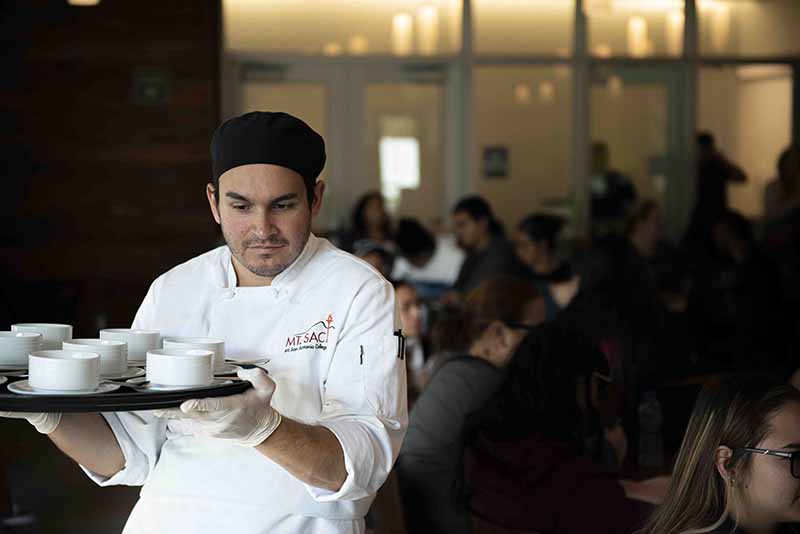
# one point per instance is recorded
(314, 337)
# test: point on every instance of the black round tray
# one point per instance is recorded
(125, 399)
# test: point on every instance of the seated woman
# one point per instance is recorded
(535, 458)
(494, 319)
(535, 243)
(738, 469)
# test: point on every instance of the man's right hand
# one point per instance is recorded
(44, 423)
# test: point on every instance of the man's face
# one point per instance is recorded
(469, 232)
(265, 217)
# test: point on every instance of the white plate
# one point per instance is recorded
(227, 370)
(22, 387)
(23, 373)
(132, 372)
(142, 384)
(246, 361)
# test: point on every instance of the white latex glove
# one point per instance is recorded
(246, 419)
(44, 423)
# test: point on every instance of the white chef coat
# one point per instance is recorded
(328, 325)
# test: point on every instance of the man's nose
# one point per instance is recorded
(263, 225)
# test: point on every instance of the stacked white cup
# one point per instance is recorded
(113, 354)
(53, 334)
(217, 346)
(139, 342)
(15, 348)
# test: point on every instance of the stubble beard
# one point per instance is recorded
(238, 248)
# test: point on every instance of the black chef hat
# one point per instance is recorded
(276, 138)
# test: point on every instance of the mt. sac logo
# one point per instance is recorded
(315, 337)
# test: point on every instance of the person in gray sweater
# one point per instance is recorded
(492, 322)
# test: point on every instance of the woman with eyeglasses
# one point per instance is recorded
(738, 469)
(493, 320)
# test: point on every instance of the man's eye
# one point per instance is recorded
(240, 207)
(284, 205)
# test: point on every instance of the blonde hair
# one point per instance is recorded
(734, 412)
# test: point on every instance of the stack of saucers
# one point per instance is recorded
(15, 348)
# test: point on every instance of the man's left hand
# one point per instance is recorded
(246, 419)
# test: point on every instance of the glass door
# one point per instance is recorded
(637, 150)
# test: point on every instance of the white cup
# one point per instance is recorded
(217, 346)
(64, 370)
(180, 367)
(139, 341)
(16, 346)
(113, 354)
(52, 334)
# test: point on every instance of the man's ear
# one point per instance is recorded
(316, 205)
(212, 202)
(721, 459)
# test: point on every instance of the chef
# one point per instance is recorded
(306, 449)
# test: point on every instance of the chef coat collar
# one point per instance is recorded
(285, 280)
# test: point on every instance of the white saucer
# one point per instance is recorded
(22, 387)
(132, 372)
(142, 384)
(137, 363)
(227, 370)
(246, 361)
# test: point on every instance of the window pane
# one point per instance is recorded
(748, 110)
(629, 153)
(749, 27)
(522, 139)
(523, 26)
(356, 27)
(402, 146)
(635, 28)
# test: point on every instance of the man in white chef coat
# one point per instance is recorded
(306, 449)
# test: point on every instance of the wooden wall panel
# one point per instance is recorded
(104, 192)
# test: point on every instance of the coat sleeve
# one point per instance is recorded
(140, 435)
(364, 393)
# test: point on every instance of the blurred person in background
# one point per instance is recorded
(612, 192)
(494, 319)
(409, 308)
(782, 239)
(430, 262)
(782, 195)
(714, 172)
(488, 253)
(737, 305)
(536, 243)
(539, 451)
(738, 469)
(369, 220)
(375, 254)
